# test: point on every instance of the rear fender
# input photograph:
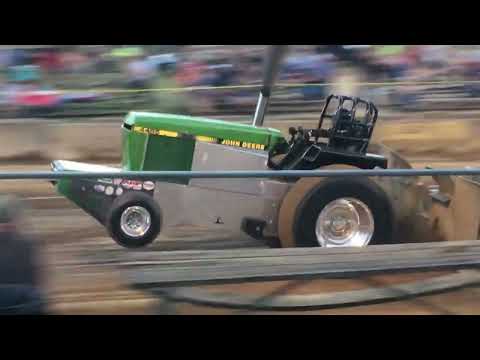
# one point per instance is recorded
(404, 192)
(459, 218)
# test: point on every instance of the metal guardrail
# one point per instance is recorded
(175, 276)
(185, 268)
(325, 300)
(55, 175)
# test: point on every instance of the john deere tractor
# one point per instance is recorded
(327, 212)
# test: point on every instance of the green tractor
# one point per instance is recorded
(327, 212)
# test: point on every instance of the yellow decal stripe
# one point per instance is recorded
(148, 131)
(201, 138)
(206, 139)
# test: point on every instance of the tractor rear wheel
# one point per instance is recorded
(335, 212)
(134, 220)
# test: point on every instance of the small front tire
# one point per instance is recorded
(134, 220)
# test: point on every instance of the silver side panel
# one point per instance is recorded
(213, 157)
(216, 209)
(222, 204)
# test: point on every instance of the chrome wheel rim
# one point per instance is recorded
(135, 221)
(345, 222)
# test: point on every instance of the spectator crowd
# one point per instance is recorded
(33, 76)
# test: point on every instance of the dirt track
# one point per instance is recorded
(68, 234)
(95, 289)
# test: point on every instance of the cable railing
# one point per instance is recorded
(292, 174)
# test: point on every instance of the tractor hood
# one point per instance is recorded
(196, 126)
(167, 142)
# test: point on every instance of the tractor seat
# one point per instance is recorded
(348, 134)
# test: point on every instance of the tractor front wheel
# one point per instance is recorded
(134, 220)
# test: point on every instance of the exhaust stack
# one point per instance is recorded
(272, 66)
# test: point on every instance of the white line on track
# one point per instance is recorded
(43, 198)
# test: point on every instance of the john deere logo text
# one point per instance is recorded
(243, 144)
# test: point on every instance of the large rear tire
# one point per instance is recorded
(135, 220)
(332, 212)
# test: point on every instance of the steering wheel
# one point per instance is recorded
(297, 141)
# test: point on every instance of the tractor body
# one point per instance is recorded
(236, 207)
(327, 212)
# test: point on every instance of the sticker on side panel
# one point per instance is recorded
(148, 185)
(132, 184)
(109, 190)
(119, 191)
(99, 188)
(105, 181)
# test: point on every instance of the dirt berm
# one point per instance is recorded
(40, 142)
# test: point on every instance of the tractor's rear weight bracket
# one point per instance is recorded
(253, 227)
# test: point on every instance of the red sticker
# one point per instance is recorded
(132, 184)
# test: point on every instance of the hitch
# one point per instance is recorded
(253, 227)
